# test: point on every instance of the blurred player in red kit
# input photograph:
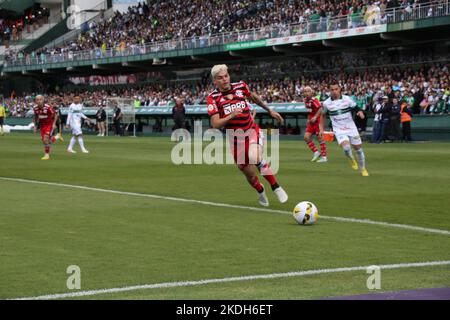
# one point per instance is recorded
(229, 109)
(47, 118)
(314, 116)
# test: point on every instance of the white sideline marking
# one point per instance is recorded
(231, 279)
(217, 204)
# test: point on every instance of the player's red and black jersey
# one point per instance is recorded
(224, 103)
(313, 105)
(45, 115)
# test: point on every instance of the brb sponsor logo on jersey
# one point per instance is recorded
(228, 109)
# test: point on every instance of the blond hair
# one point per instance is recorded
(308, 88)
(218, 68)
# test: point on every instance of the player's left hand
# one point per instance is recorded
(320, 135)
(361, 115)
(276, 116)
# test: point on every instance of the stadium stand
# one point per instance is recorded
(165, 25)
(28, 25)
(420, 83)
(416, 71)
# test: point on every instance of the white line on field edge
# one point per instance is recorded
(217, 204)
(230, 279)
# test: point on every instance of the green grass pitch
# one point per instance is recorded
(122, 240)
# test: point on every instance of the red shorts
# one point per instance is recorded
(241, 145)
(313, 128)
(46, 130)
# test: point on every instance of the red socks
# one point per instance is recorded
(267, 173)
(312, 146)
(257, 185)
(323, 149)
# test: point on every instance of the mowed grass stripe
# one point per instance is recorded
(216, 204)
(232, 279)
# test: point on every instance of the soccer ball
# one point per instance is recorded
(306, 213)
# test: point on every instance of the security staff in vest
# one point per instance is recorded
(406, 117)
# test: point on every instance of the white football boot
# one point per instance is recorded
(281, 194)
(263, 200)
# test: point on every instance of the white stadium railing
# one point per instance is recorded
(372, 17)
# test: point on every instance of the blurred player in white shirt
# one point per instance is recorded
(74, 122)
(340, 108)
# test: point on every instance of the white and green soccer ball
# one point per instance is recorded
(306, 213)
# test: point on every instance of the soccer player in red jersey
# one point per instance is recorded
(46, 117)
(229, 109)
(314, 116)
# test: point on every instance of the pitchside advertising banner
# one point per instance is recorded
(245, 45)
(308, 37)
(202, 109)
(328, 35)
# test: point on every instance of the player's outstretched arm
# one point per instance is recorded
(35, 121)
(86, 118)
(359, 111)
(69, 118)
(361, 114)
(317, 115)
(322, 125)
(55, 119)
(218, 123)
(257, 99)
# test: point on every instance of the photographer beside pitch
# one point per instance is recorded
(340, 108)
